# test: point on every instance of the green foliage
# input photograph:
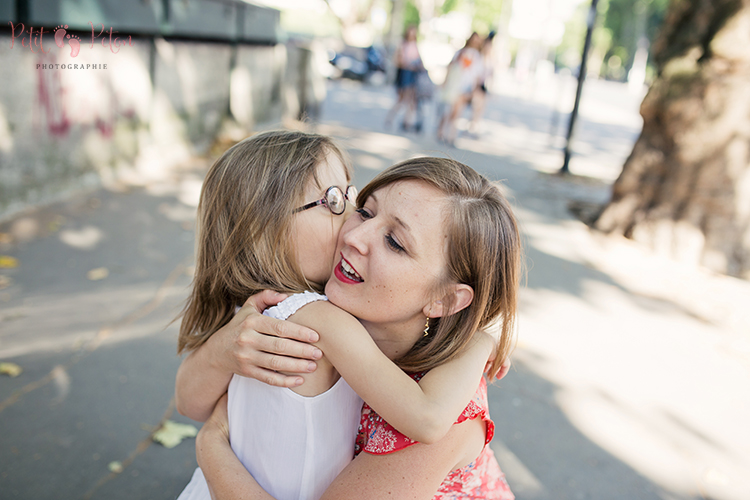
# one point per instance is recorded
(568, 53)
(450, 5)
(411, 14)
(487, 15)
(619, 26)
(628, 21)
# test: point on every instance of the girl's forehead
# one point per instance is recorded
(329, 172)
(333, 166)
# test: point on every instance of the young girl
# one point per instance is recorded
(270, 211)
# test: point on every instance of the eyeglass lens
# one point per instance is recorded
(335, 200)
(351, 194)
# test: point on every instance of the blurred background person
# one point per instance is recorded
(465, 72)
(408, 65)
(479, 96)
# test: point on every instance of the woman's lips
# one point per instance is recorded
(346, 273)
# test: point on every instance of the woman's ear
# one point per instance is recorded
(462, 297)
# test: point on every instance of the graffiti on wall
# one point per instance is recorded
(65, 99)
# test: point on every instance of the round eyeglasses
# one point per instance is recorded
(334, 199)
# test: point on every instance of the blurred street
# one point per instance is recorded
(631, 374)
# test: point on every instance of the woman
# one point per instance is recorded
(408, 65)
(464, 75)
(451, 226)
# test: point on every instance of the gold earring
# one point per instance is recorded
(426, 326)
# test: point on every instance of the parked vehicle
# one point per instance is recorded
(359, 63)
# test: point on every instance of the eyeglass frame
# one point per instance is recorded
(347, 196)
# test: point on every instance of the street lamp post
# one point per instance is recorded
(581, 77)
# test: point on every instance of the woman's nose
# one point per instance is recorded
(356, 237)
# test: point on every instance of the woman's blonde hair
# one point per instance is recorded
(484, 252)
(245, 241)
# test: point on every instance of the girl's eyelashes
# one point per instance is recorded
(393, 243)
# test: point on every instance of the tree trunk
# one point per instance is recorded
(685, 189)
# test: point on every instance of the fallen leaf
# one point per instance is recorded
(10, 369)
(5, 238)
(54, 225)
(8, 262)
(171, 433)
(115, 467)
(5, 282)
(97, 274)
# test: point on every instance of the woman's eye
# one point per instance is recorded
(393, 243)
(364, 213)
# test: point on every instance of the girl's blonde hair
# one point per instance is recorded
(244, 235)
(484, 252)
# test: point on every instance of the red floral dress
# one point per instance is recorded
(481, 479)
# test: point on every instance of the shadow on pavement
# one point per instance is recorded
(570, 466)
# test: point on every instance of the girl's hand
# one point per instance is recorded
(504, 368)
(257, 346)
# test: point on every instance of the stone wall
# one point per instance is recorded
(73, 117)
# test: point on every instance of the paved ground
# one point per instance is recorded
(631, 374)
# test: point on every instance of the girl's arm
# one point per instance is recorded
(424, 412)
(227, 478)
(251, 345)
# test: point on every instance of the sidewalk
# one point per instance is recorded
(631, 372)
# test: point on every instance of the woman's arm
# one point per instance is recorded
(251, 345)
(415, 472)
(424, 412)
(227, 478)
(398, 56)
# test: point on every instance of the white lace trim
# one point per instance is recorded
(292, 304)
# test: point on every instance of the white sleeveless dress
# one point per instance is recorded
(294, 446)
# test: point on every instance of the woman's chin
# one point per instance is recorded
(337, 292)
(332, 288)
